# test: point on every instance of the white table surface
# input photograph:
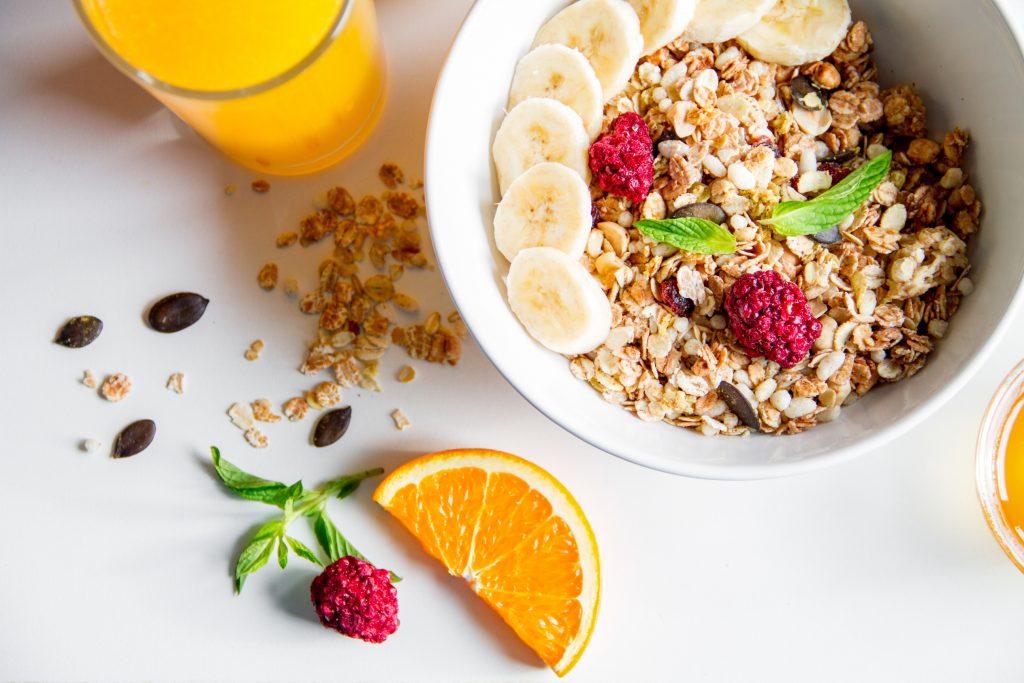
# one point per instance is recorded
(881, 569)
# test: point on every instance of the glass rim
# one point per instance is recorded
(148, 79)
(990, 436)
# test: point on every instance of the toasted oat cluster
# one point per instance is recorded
(729, 131)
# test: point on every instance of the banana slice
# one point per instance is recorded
(563, 74)
(716, 21)
(662, 21)
(547, 206)
(797, 32)
(540, 129)
(607, 32)
(558, 302)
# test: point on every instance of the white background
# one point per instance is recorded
(881, 569)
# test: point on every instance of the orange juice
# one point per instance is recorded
(1010, 469)
(279, 86)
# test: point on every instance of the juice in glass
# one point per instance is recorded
(1000, 470)
(280, 87)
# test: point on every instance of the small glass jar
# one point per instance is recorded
(991, 453)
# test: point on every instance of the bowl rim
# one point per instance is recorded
(433, 167)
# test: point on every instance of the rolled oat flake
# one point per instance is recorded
(79, 331)
(134, 439)
(331, 426)
(176, 312)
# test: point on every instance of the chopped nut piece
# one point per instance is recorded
(176, 383)
(254, 350)
(290, 286)
(295, 408)
(260, 186)
(89, 379)
(267, 277)
(241, 416)
(406, 374)
(91, 445)
(401, 421)
(256, 438)
(230, 189)
(263, 411)
(115, 387)
(287, 239)
(391, 175)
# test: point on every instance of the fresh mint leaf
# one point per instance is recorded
(282, 553)
(251, 487)
(833, 206)
(303, 551)
(697, 235)
(334, 544)
(257, 552)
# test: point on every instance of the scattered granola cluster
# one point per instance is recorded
(358, 313)
(744, 135)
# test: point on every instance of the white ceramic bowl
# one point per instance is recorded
(968, 67)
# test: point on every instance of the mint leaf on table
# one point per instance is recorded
(832, 207)
(294, 501)
(252, 487)
(257, 552)
(697, 235)
(303, 551)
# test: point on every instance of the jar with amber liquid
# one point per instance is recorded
(1000, 465)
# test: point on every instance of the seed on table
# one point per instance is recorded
(79, 331)
(176, 312)
(134, 439)
(331, 426)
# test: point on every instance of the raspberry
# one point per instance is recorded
(621, 161)
(356, 599)
(770, 317)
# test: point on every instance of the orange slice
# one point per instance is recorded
(514, 533)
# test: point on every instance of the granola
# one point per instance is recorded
(727, 131)
(115, 387)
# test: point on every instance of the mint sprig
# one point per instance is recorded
(294, 502)
(833, 206)
(697, 235)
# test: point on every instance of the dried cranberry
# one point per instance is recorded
(595, 215)
(669, 296)
(622, 160)
(835, 170)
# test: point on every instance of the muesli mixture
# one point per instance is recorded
(734, 137)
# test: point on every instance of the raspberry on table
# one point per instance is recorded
(356, 599)
(621, 160)
(770, 317)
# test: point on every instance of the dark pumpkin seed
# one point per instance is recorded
(830, 236)
(331, 426)
(740, 404)
(177, 311)
(79, 331)
(134, 439)
(706, 210)
(806, 94)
